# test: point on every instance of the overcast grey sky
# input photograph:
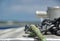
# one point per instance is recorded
(24, 10)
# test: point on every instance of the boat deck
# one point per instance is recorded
(19, 33)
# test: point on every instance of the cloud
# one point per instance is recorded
(24, 8)
(29, 6)
(30, 1)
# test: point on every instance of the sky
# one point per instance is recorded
(24, 10)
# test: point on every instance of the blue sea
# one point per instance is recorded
(8, 27)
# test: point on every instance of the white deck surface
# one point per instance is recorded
(18, 33)
(12, 33)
